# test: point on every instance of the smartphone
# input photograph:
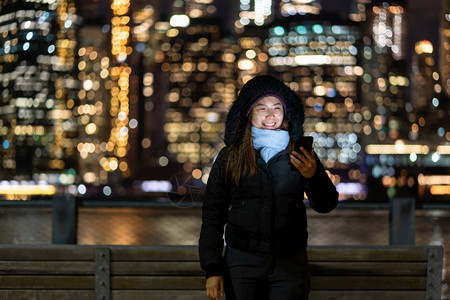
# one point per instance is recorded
(305, 142)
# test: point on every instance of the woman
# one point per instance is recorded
(256, 188)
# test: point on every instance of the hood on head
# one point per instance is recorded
(252, 91)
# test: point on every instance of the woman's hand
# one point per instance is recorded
(214, 287)
(305, 163)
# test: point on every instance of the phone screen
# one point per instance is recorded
(305, 142)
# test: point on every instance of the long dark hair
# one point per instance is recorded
(241, 158)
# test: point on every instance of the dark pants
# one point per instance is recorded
(254, 275)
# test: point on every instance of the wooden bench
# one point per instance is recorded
(172, 272)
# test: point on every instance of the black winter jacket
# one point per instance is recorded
(265, 212)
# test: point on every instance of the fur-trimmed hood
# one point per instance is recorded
(255, 88)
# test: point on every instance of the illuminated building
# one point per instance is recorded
(444, 47)
(318, 60)
(115, 81)
(254, 12)
(389, 26)
(118, 145)
(92, 109)
(385, 81)
(384, 92)
(200, 64)
(252, 58)
(37, 59)
(147, 137)
(70, 111)
(429, 112)
(429, 107)
(402, 134)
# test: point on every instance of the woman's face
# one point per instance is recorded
(268, 113)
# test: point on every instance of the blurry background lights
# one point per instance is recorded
(423, 47)
(89, 177)
(197, 174)
(107, 191)
(179, 21)
(156, 186)
(443, 149)
(25, 188)
(435, 157)
(163, 161)
(278, 30)
(245, 64)
(133, 123)
(82, 189)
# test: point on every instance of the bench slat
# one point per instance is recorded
(159, 295)
(316, 295)
(330, 253)
(368, 283)
(372, 295)
(189, 253)
(46, 282)
(47, 252)
(317, 283)
(156, 268)
(154, 253)
(370, 268)
(186, 268)
(193, 268)
(46, 267)
(329, 268)
(368, 254)
(47, 294)
(158, 282)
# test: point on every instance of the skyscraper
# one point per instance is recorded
(199, 61)
(317, 57)
(429, 110)
(427, 96)
(252, 58)
(115, 49)
(385, 81)
(400, 159)
(93, 105)
(37, 59)
(444, 46)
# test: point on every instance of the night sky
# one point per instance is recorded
(424, 18)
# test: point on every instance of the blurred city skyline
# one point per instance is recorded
(130, 98)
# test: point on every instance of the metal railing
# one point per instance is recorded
(65, 214)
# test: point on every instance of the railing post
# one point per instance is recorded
(64, 220)
(402, 221)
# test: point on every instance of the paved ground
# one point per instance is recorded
(178, 226)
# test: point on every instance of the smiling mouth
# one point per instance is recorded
(269, 124)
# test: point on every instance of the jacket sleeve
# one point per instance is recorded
(321, 192)
(214, 217)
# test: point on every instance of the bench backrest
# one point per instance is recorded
(172, 272)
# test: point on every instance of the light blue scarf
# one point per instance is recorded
(270, 142)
